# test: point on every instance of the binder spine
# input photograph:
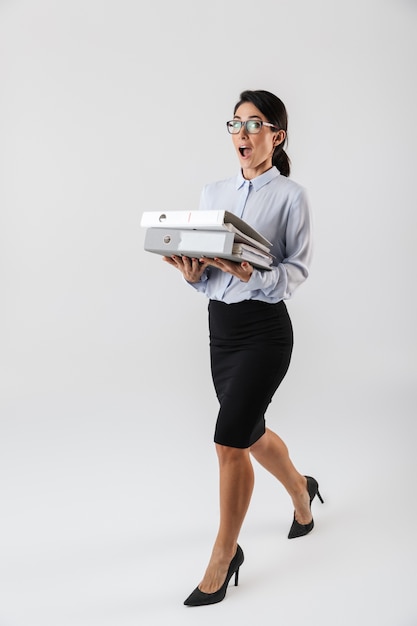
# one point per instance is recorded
(192, 243)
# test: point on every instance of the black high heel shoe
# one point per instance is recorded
(299, 530)
(199, 598)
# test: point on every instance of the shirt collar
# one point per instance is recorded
(260, 180)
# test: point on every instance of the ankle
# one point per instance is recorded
(224, 552)
(299, 488)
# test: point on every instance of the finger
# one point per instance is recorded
(187, 262)
(247, 269)
(203, 263)
(227, 266)
(221, 264)
(196, 266)
(212, 262)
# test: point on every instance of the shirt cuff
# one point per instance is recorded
(255, 281)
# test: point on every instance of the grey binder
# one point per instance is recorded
(198, 243)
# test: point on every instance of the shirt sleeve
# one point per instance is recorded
(282, 280)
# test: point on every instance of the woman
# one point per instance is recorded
(250, 330)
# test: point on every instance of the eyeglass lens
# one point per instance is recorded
(252, 126)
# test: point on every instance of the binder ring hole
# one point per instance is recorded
(162, 217)
(167, 239)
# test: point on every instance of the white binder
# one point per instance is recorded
(206, 220)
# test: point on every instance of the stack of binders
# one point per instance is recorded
(205, 233)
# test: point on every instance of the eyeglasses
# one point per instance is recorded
(252, 126)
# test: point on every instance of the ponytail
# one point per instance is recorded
(281, 161)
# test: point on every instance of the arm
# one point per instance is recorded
(293, 267)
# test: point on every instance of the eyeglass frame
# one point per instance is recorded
(245, 124)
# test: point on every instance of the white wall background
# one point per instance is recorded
(111, 108)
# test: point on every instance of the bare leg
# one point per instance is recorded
(236, 486)
(272, 453)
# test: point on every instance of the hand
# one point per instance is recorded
(243, 270)
(191, 269)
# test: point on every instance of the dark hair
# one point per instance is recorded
(275, 112)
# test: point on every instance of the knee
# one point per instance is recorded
(227, 454)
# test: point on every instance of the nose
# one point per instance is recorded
(243, 131)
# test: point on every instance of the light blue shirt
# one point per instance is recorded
(277, 207)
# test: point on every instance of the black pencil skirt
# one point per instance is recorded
(250, 351)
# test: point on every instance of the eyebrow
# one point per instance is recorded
(251, 117)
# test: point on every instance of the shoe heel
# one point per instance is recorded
(319, 497)
(237, 577)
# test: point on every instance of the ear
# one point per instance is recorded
(279, 138)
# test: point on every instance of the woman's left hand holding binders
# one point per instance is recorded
(243, 270)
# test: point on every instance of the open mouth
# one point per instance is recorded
(245, 151)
